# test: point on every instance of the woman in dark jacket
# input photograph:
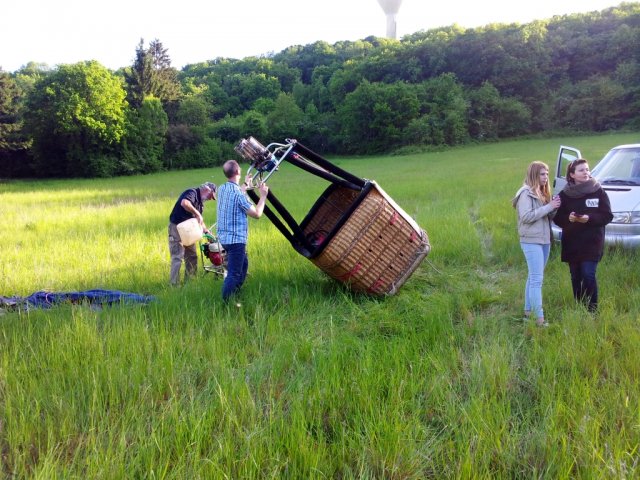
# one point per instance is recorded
(583, 214)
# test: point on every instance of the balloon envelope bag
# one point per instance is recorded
(354, 231)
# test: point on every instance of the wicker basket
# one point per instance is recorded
(368, 241)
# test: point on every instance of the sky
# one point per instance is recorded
(68, 31)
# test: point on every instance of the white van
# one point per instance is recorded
(619, 174)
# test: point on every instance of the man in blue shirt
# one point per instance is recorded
(190, 204)
(232, 224)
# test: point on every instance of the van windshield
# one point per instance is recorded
(620, 166)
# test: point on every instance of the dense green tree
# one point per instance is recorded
(421, 131)
(180, 137)
(431, 48)
(307, 58)
(388, 64)
(442, 99)
(254, 124)
(484, 107)
(76, 117)
(28, 75)
(286, 76)
(11, 137)
(626, 75)
(228, 129)
(207, 153)
(492, 116)
(514, 118)
(318, 91)
(194, 110)
(145, 138)
(219, 100)
(285, 120)
(249, 88)
(318, 129)
(597, 104)
(263, 105)
(14, 144)
(341, 83)
(374, 115)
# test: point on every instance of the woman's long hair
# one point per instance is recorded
(532, 180)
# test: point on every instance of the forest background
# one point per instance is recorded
(431, 89)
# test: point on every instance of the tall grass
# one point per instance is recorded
(308, 380)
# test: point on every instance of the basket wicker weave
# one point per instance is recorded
(372, 245)
(354, 232)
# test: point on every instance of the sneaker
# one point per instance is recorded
(543, 324)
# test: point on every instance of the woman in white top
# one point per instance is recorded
(535, 209)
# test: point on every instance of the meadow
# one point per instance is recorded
(308, 380)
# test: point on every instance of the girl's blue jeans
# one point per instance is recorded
(536, 255)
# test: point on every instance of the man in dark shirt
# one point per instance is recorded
(190, 204)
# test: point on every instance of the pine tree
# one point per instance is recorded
(140, 79)
(167, 84)
(152, 75)
(11, 136)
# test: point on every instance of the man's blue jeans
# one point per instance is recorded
(536, 255)
(237, 266)
(583, 281)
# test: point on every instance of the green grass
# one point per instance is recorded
(308, 380)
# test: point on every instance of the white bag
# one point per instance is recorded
(190, 232)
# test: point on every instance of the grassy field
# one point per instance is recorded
(307, 380)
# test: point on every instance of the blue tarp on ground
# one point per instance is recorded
(45, 299)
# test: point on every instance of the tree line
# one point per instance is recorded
(441, 87)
